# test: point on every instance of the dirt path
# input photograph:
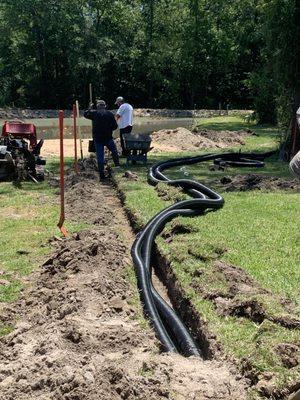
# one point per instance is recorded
(79, 334)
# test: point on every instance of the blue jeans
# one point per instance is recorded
(100, 153)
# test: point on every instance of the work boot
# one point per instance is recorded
(102, 177)
(116, 160)
(101, 172)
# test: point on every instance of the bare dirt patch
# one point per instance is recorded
(225, 138)
(51, 147)
(257, 182)
(18, 213)
(244, 297)
(239, 282)
(289, 354)
(182, 139)
(77, 330)
(250, 309)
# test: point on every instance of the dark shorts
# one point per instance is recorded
(127, 129)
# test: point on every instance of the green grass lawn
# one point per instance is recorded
(28, 218)
(256, 230)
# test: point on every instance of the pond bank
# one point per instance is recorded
(138, 112)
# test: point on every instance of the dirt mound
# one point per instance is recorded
(225, 138)
(251, 309)
(181, 139)
(88, 169)
(258, 182)
(289, 354)
(77, 327)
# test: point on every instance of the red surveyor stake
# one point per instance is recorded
(62, 175)
(75, 138)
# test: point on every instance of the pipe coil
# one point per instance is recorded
(169, 328)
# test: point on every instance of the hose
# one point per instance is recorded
(169, 328)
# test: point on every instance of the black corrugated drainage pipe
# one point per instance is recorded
(170, 330)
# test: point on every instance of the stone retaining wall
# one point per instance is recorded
(144, 112)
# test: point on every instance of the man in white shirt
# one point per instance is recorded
(124, 117)
(295, 162)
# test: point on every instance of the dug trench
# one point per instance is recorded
(240, 300)
(78, 331)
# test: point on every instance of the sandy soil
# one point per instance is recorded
(182, 139)
(165, 140)
(51, 148)
(78, 333)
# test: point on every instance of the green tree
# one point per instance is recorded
(277, 80)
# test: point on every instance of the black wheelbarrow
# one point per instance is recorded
(137, 147)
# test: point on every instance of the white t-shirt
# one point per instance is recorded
(126, 113)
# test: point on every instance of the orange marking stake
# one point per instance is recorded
(62, 175)
(75, 138)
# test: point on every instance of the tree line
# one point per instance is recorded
(157, 53)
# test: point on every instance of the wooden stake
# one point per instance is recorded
(91, 93)
(79, 130)
(75, 138)
(62, 175)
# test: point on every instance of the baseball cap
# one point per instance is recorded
(119, 99)
(100, 102)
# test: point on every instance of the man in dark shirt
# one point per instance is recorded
(104, 124)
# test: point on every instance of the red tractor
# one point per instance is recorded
(20, 152)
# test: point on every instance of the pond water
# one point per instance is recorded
(48, 128)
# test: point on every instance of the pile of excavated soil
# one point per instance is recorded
(77, 328)
(88, 170)
(182, 139)
(258, 182)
